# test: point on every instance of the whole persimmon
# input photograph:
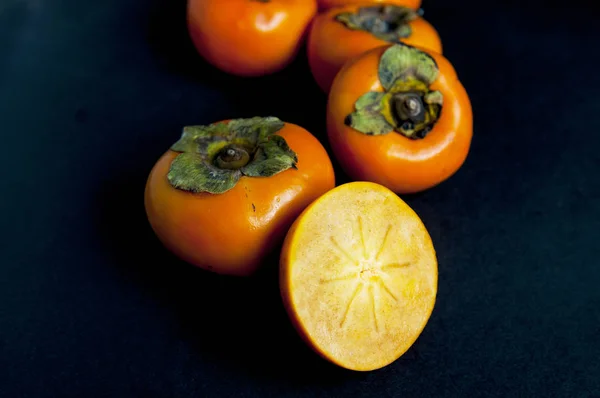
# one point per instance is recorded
(249, 37)
(358, 276)
(342, 33)
(224, 195)
(326, 4)
(399, 116)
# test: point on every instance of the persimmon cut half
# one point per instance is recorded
(359, 276)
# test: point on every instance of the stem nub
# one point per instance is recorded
(408, 107)
(232, 157)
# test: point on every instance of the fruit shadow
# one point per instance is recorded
(290, 94)
(168, 38)
(236, 323)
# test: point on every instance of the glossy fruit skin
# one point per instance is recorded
(249, 37)
(392, 160)
(326, 4)
(231, 233)
(331, 44)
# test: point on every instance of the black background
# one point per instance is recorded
(91, 305)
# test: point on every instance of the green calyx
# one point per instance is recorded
(212, 158)
(407, 105)
(386, 22)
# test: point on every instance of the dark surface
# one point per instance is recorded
(92, 93)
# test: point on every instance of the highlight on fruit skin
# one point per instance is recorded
(399, 116)
(224, 195)
(358, 276)
(249, 38)
(342, 33)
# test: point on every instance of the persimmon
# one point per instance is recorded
(342, 33)
(226, 193)
(249, 37)
(399, 116)
(326, 4)
(358, 276)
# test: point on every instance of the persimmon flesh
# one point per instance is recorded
(358, 276)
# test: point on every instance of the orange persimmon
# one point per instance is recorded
(358, 276)
(399, 116)
(326, 4)
(224, 195)
(342, 33)
(249, 37)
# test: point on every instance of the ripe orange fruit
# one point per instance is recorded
(326, 4)
(249, 37)
(399, 116)
(340, 34)
(358, 276)
(225, 194)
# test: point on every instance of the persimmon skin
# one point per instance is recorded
(326, 4)
(231, 233)
(392, 160)
(249, 38)
(331, 44)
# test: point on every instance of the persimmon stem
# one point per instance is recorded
(408, 107)
(232, 158)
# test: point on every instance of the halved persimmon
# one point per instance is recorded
(358, 276)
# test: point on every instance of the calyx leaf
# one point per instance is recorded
(402, 62)
(407, 105)
(189, 172)
(203, 150)
(368, 117)
(193, 135)
(386, 22)
(272, 156)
